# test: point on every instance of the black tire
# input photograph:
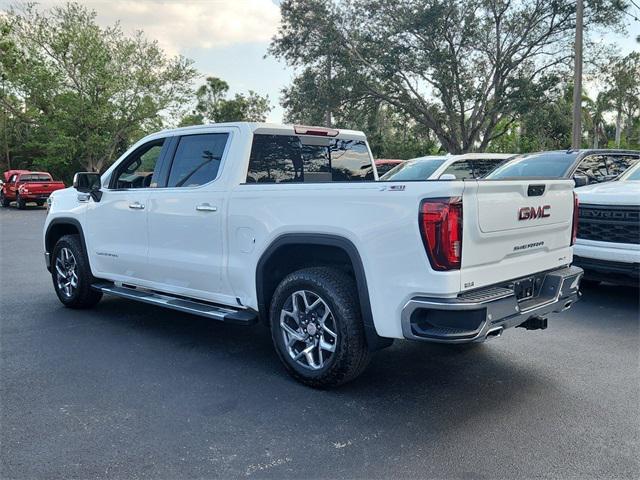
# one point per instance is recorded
(40, 204)
(338, 291)
(5, 201)
(82, 296)
(20, 203)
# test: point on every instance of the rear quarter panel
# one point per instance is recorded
(381, 223)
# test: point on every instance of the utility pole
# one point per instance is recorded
(577, 79)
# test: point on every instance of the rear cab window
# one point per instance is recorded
(35, 177)
(308, 159)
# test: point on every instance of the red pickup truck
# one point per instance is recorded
(22, 186)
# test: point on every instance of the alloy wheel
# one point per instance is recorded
(66, 272)
(309, 329)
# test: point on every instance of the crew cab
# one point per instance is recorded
(23, 186)
(608, 243)
(247, 223)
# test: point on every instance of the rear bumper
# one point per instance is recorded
(478, 315)
(35, 197)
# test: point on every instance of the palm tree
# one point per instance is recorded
(594, 111)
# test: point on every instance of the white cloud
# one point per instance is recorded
(178, 25)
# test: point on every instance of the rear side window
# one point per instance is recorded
(286, 159)
(197, 159)
(462, 170)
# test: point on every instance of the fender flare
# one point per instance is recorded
(64, 221)
(374, 341)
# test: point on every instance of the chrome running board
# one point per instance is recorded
(195, 307)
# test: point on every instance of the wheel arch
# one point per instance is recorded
(59, 227)
(283, 256)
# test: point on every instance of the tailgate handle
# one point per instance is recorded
(535, 190)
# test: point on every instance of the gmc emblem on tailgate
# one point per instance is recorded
(529, 213)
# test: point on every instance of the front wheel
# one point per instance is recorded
(71, 274)
(317, 328)
(20, 202)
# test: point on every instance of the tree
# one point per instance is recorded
(82, 93)
(309, 37)
(624, 90)
(213, 106)
(462, 69)
(594, 114)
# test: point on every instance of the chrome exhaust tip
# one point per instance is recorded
(494, 333)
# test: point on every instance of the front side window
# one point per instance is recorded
(197, 159)
(137, 170)
(286, 159)
(461, 169)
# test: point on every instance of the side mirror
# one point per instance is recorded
(447, 176)
(581, 180)
(88, 182)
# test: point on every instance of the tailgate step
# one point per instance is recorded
(195, 307)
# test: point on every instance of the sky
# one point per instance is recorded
(229, 38)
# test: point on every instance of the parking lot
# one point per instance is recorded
(132, 391)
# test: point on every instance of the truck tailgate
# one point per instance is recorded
(43, 188)
(514, 228)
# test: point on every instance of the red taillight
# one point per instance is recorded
(441, 227)
(576, 211)
(319, 131)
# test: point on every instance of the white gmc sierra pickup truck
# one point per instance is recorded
(287, 225)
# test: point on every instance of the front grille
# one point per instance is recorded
(609, 224)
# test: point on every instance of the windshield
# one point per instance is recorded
(548, 164)
(632, 174)
(417, 169)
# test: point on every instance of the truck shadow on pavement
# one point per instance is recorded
(417, 376)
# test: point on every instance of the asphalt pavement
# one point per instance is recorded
(132, 391)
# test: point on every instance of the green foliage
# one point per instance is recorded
(463, 70)
(213, 107)
(74, 94)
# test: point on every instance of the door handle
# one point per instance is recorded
(136, 206)
(205, 207)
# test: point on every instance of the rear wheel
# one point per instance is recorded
(317, 328)
(71, 274)
(20, 202)
(4, 200)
